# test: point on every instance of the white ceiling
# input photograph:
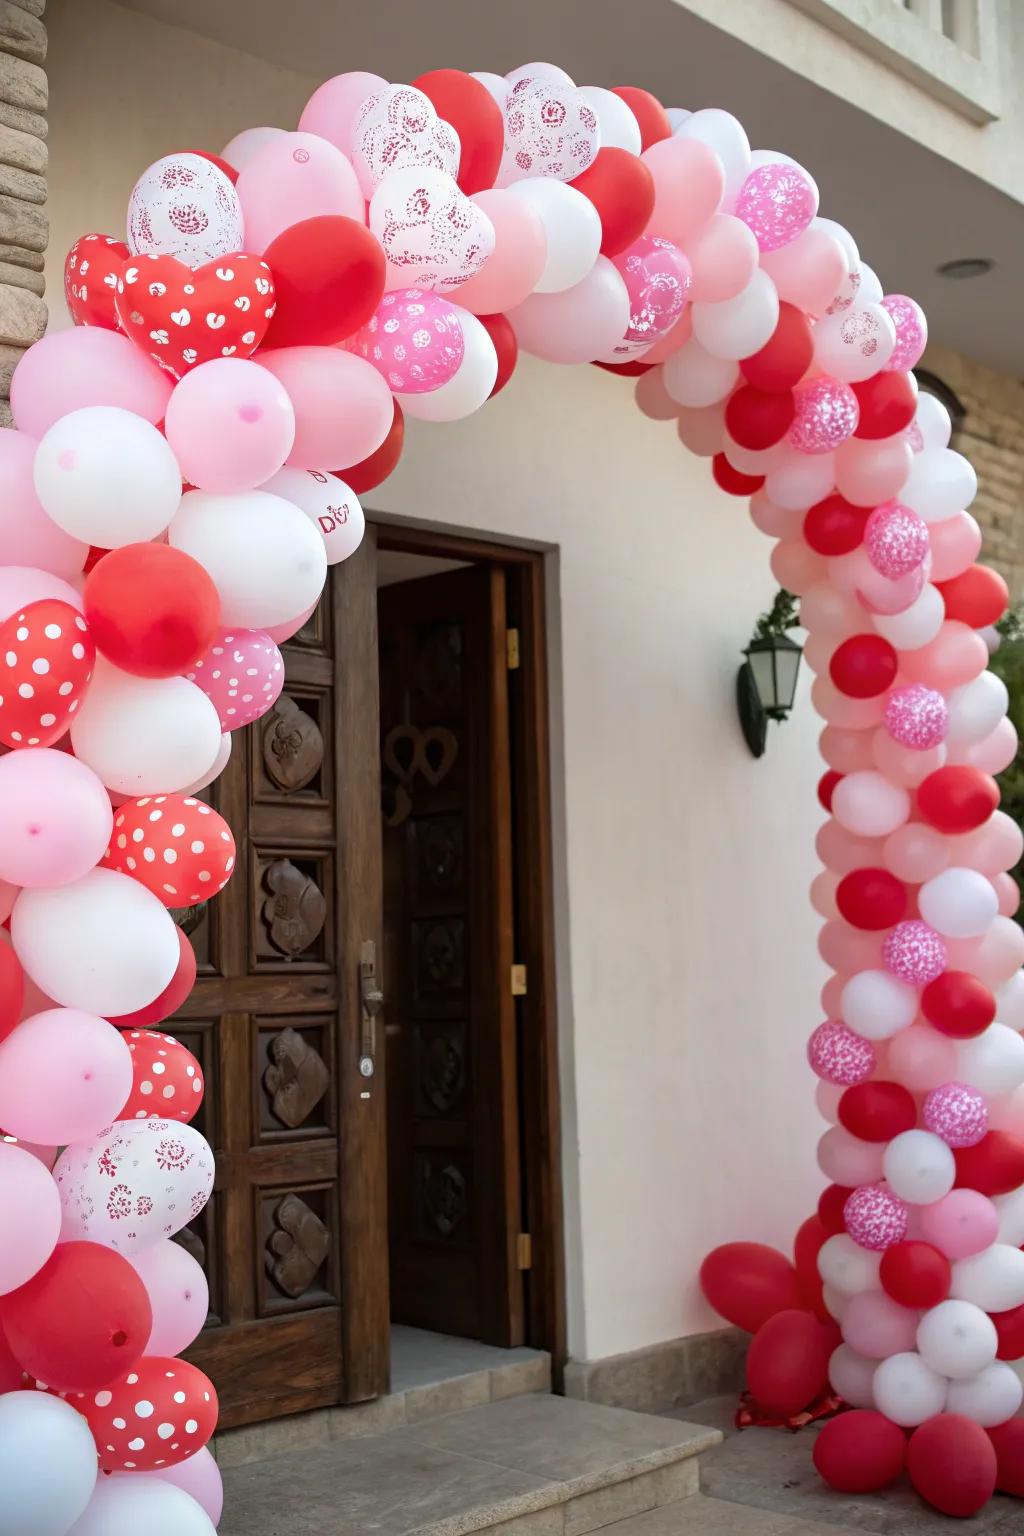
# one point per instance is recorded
(909, 209)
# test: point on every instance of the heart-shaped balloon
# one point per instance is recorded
(91, 271)
(137, 1181)
(50, 657)
(182, 316)
(550, 130)
(400, 127)
(433, 236)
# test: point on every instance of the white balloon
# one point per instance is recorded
(907, 1390)
(471, 385)
(958, 903)
(245, 146)
(694, 377)
(398, 126)
(919, 1167)
(855, 343)
(263, 555)
(870, 290)
(800, 480)
(47, 1465)
(846, 1266)
(496, 84)
(677, 116)
(1010, 1001)
(976, 708)
(738, 327)
(957, 1339)
(104, 944)
(990, 1398)
(432, 234)
(107, 476)
(215, 770)
(835, 1302)
(916, 625)
(932, 420)
(619, 128)
(868, 804)
(726, 136)
(1011, 1216)
(992, 1279)
(993, 1061)
(579, 323)
(539, 71)
(328, 503)
(941, 483)
(842, 234)
(145, 1506)
(146, 735)
(572, 226)
(852, 1376)
(185, 206)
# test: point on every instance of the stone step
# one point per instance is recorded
(703, 1516)
(527, 1466)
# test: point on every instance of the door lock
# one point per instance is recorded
(371, 1002)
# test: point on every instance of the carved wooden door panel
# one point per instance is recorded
(453, 1154)
(294, 1238)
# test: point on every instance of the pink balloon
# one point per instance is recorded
(576, 324)
(818, 653)
(673, 339)
(179, 1294)
(846, 751)
(876, 1326)
(295, 177)
(831, 994)
(86, 365)
(343, 408)
(702, 428)
(657, 278)
(30, 1216)
(810, 271)
(21, 585)
(514, 267)
(827, 413)
(231, 425)
(845, 1159)
(870, 471)
(826, 608)
(279, 633)
(414, 340)
(840, 709)
(723, 255)
(688, 183)
(1007, 893)
(652, 397)
(780, 523)
(8, 896)
(795, 565)
(63, 1076)
(955, 543)
(921, 1059)
(849, 949)
(956, 656)
(911, 331)
(961, 1223)
(332, 109)
(840, 851)
(823, 894)
(245, 146)
(997, 845)
(242, 675)
(916, 852)
(993, 753)
(778, 200)
(995, 958)
(55, 818)
(198, 1476)
(26, 533)
(904, 765)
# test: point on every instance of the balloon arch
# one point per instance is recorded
(187, 464)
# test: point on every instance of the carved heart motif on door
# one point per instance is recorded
(431, 752)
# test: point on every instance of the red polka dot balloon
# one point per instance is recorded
(176, 846)
(157, 1415)
(48, 658)
(167, 1080)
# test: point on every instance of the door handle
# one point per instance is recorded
(371, 1001)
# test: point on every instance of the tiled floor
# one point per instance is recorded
(421, 1359)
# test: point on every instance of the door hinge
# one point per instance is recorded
(524, 1251)
(519, 981)
(512, 648)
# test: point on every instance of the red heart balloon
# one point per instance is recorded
(182, 316)
(50, 659)
(91, 271)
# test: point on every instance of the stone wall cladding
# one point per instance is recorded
(23, 223)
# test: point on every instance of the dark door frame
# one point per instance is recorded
(534, 915)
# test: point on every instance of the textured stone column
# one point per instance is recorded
(23, 222)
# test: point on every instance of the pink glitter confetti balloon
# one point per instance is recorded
(915, 953)
(657, 277)
(917, 717)
(875, 1218)
(896, 539)
(414, 340)
(956, 1113)
(827, 413)
(242, 675)
(839, 1056)
(911, 331)
(777, 202)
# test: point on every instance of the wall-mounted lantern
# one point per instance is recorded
(766, 682)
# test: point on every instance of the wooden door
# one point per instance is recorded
(453, 1154)
(293, 1240)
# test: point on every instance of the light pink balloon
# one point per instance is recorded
(830, 610)
(30, 1216)
(956, 656)
(955, 543)
(688, 183)
(179, 1294)
(845, 948)
(777, 522)
(992, 754)
(242, 675)
(55, 819)
(876, 1326)
(832, 992)
(198, 1476)
(921, 1059)
(577, 324)
(823, 894)
(818, 652)
(997, 845)
(842, 710)
(332, 109)
(230, 424)
(652, 397)
(870, 471)
(514, 267)
(27, 535)
(846, 751)
(904, 765)
(1007, 894)
(298, 176)
(841, 851)
(279, 633)
(795, 566)
(810, 271)
(996, 957)
(701, 429)
(673, 339)
(64, 1075)
(845, 1159)
(21, 585)
(343, 408)
(86, 365)
(961, 1223)
(723, 255)
(245, 146)
(916, 852)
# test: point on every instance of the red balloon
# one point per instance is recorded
(809, 1238)
(182, 850)
(649, 113)
(1010, 1329)
(863, 666)
(1008, 1443)
(94, 557)
(11, 1373)
(877, 1111)
(831, 1205)
(915, 1274)
(621, 188)
(81, 1321)
(12, 989)
(329, 276)
(887, 404)
(871, 898)
(957, 798)
(729, 479)
(958, 1004)
(222, 165)
(167, 1080)
(476, 118)
(38, 705)
(90, 294)
(994, 1165)
(787, 1363)
(952, 1464)
(860, 1451)
(978, 596)
(632, 369)
(375, 468)
(151, 609)
(164, 312)
(171, 998)
(506, 346)
(181, 1398)
(759, 418)
(835, 526)
(826, 787)
(748, 1283)
(785, 356)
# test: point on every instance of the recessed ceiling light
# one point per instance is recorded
(966, 267)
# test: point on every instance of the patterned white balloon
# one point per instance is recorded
(399, 127)
(550, 130)
(134, 1183)
(185, 206)
(432, 234)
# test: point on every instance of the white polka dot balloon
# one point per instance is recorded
(176, 846)
(242, 673)
(167, 1080)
